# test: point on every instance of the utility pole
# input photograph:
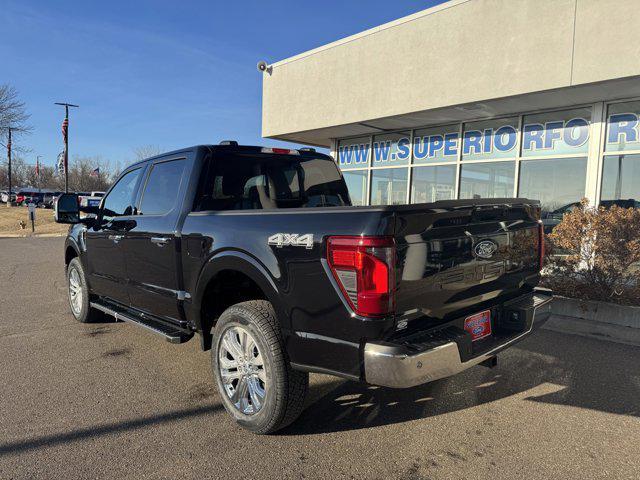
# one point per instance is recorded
(38, 172)
(65, 134)
(9, 169)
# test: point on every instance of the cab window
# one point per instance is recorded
(255, 182)
(161, 190)
(120, 200)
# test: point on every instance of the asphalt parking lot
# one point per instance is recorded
(111, 400)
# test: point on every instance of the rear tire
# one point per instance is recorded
(258, 387)
(78, 293)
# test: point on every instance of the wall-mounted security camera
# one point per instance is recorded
(263, 67)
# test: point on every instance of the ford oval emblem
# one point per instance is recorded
(485, 249)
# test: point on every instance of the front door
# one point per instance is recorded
(107, 273)
(105, 256)
(151, 248)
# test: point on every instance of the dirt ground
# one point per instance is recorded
(10, 222)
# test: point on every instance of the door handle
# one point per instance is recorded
(160, 241)
(115, 238)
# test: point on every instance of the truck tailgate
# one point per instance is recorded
(455, 256)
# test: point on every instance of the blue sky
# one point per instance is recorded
(155, 72)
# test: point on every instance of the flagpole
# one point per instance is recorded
(65, 133)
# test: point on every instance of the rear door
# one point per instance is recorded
(464, 255)
(105, 258)
(151, 247)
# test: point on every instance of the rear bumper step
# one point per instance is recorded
(169, 333)
(444, 353)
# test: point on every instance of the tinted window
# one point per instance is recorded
(487, 180)
(430, 184)
(621, 178)
(121, 197)
(357, 184)
(241, 182)
(161, 190)
(389, 186)
(556, 183)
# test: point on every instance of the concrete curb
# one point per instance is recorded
(32, 235)
(594, 329)
(600, 312)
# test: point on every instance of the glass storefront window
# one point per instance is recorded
(556, 133)
(621, 178)
(392, 149)
(623, 127)
(487, 180)
(389, 186)
(490, 139)
(439, 144)
(549, 150)
(354, 153)
(430, 184)
(357, 186)
(555, 182)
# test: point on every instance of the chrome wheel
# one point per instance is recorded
(75, 291)
(242, 370)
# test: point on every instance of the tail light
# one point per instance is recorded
(364, 268)
(541, 245)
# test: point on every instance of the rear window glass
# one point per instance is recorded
(250, 182)
(161, 191)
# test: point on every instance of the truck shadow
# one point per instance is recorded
(548, 367)
(94, 431)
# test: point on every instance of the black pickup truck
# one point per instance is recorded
(259, 252)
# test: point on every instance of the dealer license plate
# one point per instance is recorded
(478, 325)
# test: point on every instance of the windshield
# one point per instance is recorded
(245, 182)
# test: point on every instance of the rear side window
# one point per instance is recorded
(255, 182)
(119, 201)
(161, 190)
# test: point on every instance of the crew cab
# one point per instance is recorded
(258, 252)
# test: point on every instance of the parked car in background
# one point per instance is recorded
(91, 200)
(4, 196)
(49, 199)
(26, 196)
(37, 198)
(551, 219)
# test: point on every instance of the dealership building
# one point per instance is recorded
(474, 98)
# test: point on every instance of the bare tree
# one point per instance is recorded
(18, 173)
(83, 176)
(146, 151)
(12, 113)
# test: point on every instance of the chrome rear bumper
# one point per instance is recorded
(388, 365)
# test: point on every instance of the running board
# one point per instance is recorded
(169, 333)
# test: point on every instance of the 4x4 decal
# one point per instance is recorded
(291, 240)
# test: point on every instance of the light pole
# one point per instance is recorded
(65, 134)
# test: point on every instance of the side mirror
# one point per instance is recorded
(66, 209)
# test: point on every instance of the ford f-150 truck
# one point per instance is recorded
(259, 253)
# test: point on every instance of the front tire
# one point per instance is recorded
(257, 385)
(78, 293)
